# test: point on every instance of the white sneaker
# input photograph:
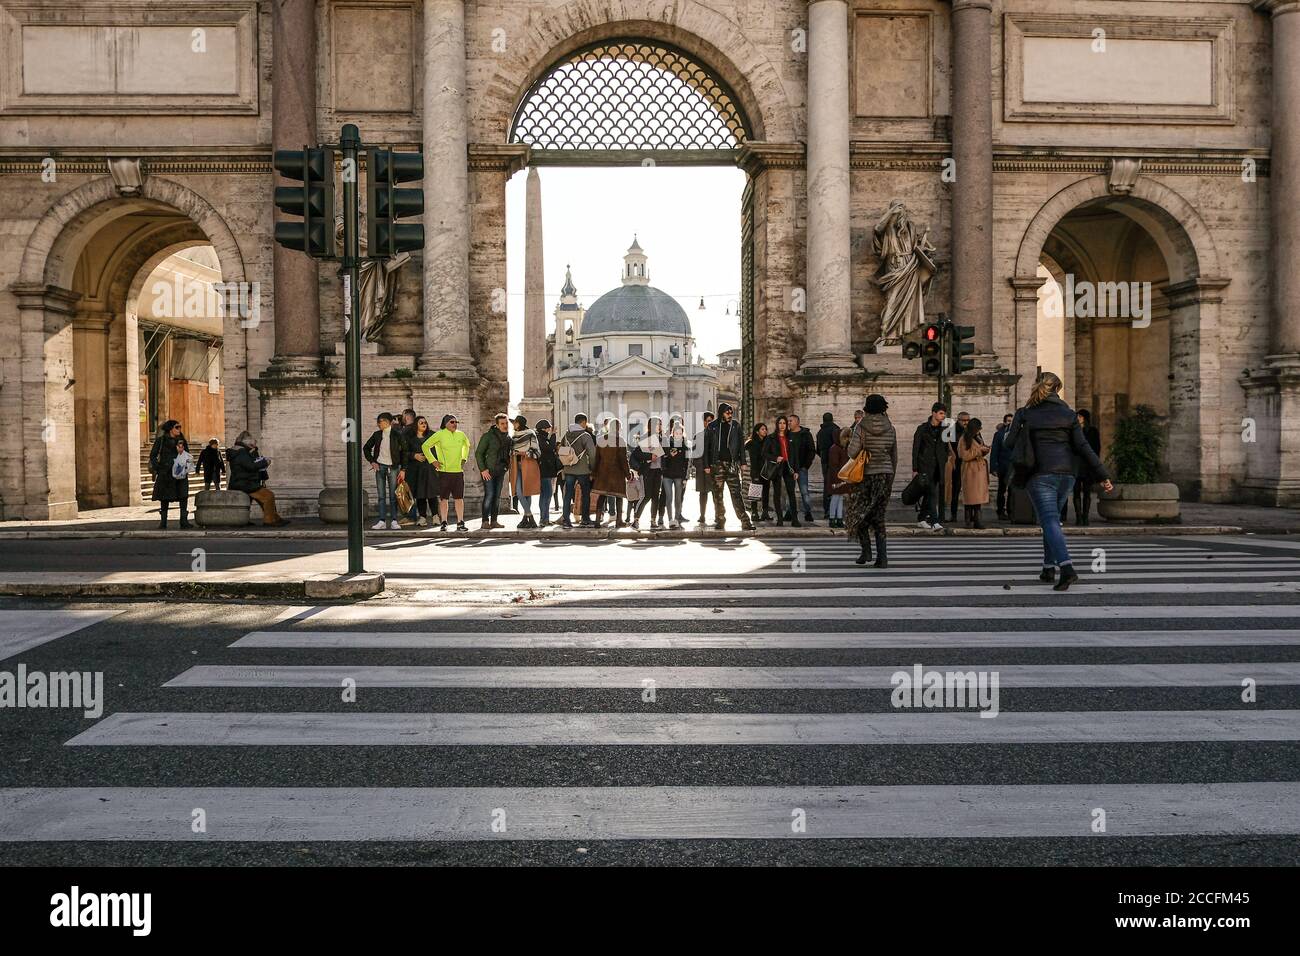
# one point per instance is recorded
(395, 526)
(936, 527)
(419, 522)
(923, 525)
(378, 526)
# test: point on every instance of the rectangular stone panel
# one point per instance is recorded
(128, 57)
(1104, 69)
(373, 50)
(892, 64)
(1080, 70)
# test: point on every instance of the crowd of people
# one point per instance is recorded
(587, 476)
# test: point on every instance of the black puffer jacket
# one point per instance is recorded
(675, 460)
(1053, 427)
(929, 452)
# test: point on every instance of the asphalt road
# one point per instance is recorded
(1159, 644)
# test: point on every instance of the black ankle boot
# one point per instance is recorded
(1048, 575)
(865, 539)
(1068, 577)
(882, 556)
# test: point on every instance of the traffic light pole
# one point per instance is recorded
(350, 145)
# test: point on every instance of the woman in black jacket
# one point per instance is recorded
(1052, 429)
(754, 449)
(780, 451)
(166, 488)
(421, 476)
(549, 466)
(673, 467)
(1083, 481)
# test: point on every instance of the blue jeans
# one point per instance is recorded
(584, 483)
(544, 500)
(385, 487)
(803, 493)
(837, 506)
(492, 496)
(1049, 493)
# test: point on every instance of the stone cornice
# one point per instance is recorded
(757, 155)
(509, 157)
(50, 297)
(971, 4)
(1277, 7)
(1205, 289)
(79, 162)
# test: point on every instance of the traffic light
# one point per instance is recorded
(932, 349)
(961, 348)
(385, 203)
(313, 200)
(912, 344)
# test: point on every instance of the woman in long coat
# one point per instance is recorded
(421, 476)
(609, 476)
(167, 489)
(864, 508)
(525, 470)
(974, 472)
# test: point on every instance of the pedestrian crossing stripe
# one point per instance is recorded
(756, 640)
(25, 630)
(375, 729)
(669, 610)
(581, 677)
(356, 814)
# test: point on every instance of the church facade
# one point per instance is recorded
(1143, 155)
(630, 355)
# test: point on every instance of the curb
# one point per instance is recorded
(900, 530)
(191, 585)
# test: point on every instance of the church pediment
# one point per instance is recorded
(635, 366)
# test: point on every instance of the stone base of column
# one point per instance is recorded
(444, 365)
(1273, 412)
(535, 409)
(829, 363)
(294, 366)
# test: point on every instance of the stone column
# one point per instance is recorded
(972, 151)
(1284, 175)
(828, 346)
(1026, 355)
(446, 193)
(1273, 390)
(293, 126)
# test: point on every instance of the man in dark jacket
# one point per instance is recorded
(929, 458)
(802, 456)
(493, 458)
(1000, 465)
(387, 452)
(722, 460)
(827, 436)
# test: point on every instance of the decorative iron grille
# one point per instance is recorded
(631, 95)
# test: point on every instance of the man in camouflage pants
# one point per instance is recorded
(722, 459)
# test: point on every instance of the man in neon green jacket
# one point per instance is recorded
(448, 450)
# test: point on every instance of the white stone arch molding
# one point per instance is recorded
(705, 35)
(67, 226)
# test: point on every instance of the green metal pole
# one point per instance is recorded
(350, 146)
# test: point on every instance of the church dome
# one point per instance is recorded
(636, 306)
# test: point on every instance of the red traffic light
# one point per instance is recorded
(932, 333)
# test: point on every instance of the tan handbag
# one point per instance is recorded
(405, 500)
(854, 471)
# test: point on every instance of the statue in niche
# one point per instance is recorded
(906, 270)
(377, 289)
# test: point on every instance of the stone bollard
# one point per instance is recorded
(221, 509)
(332, 503)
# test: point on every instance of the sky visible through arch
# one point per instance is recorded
(687, 220)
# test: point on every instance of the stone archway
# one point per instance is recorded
(53, 319)
(1189, 295)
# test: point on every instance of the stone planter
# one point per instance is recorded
(221, 509)
(1157, 503)
(332, 504)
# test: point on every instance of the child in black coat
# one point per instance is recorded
(211, 465)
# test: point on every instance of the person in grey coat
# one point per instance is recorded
(864, 511)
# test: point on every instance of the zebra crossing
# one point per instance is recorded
(713, 691)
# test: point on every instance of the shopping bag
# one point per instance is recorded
(755, 491)
(405, 500)
(635, 489)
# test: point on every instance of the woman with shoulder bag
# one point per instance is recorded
(754, 449)
(779, 467)
(1042, 443)
(864, 508)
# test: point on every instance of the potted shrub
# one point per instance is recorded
(1135, 467)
